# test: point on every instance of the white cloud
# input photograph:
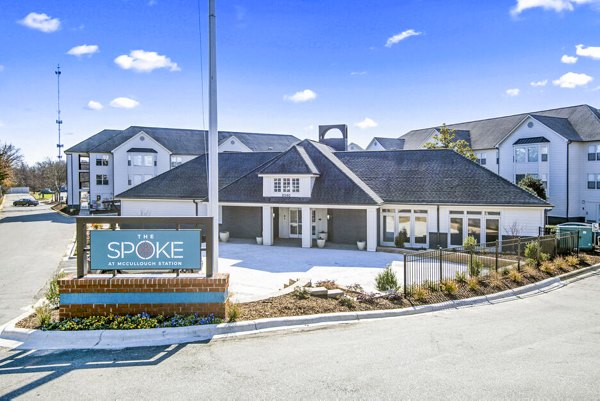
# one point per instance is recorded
(554, 5)
(572, 80)
(41, 22)
(366, 123)
(301, 96)
(401, 36)
(94, 105)
(124, 103)
(513, 92)
(143, 61)
(539, 83)
(82, 50)
(358, 73)
(568, 59)
(592, 52)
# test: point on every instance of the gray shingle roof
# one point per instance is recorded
(576, 123)
(437, 176)
(390, 143)
(294, 161)
(182, 141)
(189, 180)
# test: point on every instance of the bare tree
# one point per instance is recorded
(515, 229)
(53, 174)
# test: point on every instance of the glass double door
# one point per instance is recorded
(484, 228)
(413, 223)
(296, 223)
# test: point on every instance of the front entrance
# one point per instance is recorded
(295, 223)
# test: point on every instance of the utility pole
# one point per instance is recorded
(213, 136)
(58, 120)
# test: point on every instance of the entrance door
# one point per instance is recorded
(295, 223)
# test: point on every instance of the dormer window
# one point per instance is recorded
(295, 184)
(277, 185)
(286, 185)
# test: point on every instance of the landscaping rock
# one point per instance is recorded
(317, 291)
(337, 293)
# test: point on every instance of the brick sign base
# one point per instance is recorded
(132, 294)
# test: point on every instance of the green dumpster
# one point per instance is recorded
(586, 236)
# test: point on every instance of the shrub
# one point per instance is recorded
(301, 293)
(473, 284)
(534, 254)
(401, 239)
(495, 281)
(233, 311)
(449, 287)
(572, 260)
(386, 280)
(585, 259)
(52, 294)
(561, 264)
(419, 294)
(43, 315)
(139, 321)
(461, 277)
(431, 286)
(515, 276)
(347, 302)
(366, 297)
(470, 243)
(475, 265)
(548, 267)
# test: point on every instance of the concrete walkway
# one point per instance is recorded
(262, 270)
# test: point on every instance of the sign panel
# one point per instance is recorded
(145, 249)
(595, 227)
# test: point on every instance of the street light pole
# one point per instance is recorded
(213, 137)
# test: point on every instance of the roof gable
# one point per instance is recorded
(293, 161)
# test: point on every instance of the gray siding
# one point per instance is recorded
(347, 226)
(242, 222)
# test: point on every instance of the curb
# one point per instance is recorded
(13, 337)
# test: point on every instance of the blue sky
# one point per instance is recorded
(383, 67)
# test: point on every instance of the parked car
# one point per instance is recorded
(26, 202)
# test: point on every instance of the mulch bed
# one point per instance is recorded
(30, 322)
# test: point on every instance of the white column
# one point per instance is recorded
(267, 224)
(306, 228)
(371, 230)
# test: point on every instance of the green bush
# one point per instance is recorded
(461, 277)
(386, 280)
(470, 243)
(301, 293)
(475, 265)
(128, 322)
(401, 239)
(43, 315)
(233, 311)
(534, 254)
(347, 302)
(52, 294)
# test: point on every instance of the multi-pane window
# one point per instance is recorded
(593, 152)
(482, 159)
(520, 155)
(295, 184)
(528, 154)
(148, 160)
(102, 160)
(544, 153)
(277, 185)
(176, 161)
(593, 181)
(286, 185)
(101, 179)
(532, 154)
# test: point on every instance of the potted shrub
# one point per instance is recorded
(224, 236)
(361, 245)
(321, 242)
(259, 240)
(401, 238)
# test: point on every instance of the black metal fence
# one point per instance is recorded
(429, 268)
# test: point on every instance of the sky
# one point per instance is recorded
(383, 67)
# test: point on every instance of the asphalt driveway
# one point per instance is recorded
(32, 242)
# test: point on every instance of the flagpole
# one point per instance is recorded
(213, 136)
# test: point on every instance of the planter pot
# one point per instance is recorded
(322, 236)
(224, 236)
(259, 241)
(361, 245)
(321, 243)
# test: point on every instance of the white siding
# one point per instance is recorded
(306, 183)
(555, 167)
(170, 207)
(374, 145)
(232, 144)
(585, 202)
(104, 191)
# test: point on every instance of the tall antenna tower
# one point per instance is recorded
(58, 120)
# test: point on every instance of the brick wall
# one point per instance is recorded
(93, 295)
